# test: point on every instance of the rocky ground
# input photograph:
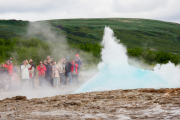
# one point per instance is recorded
(115, 104)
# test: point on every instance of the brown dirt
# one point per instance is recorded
(115, 104)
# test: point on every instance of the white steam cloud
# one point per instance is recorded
(59, 48)
(116, 73)
(57, 41)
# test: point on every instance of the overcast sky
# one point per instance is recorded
(33, 10)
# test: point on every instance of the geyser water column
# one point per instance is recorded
(116, 73)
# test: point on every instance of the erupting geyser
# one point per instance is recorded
(116, 73)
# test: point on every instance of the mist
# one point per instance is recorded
(59, 48)
(116, 73)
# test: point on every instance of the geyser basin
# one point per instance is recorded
(116, 73)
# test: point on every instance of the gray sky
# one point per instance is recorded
(33, 10)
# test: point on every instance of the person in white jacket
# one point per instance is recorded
(25, 74)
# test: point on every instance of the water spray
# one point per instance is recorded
(116, 73)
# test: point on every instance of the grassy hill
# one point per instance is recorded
(149, 40)
(143, 33)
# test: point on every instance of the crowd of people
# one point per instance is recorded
(49, 73)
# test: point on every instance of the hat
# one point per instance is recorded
(77, 55)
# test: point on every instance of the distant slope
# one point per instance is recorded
(12, 28)
(144, 33)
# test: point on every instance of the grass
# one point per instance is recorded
(143, 33)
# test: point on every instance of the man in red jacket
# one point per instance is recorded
(74, 71)
(41, 68)
(9, 66)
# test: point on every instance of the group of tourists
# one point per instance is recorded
(49, 72)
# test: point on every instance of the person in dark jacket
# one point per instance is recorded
(48, 71)
(68, 66)
(45, 64)
(77, 59)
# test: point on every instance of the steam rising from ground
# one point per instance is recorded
(116, 73)
(57, 41)
(114, 70)
(59, 48)
(39, 92)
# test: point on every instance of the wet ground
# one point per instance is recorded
(44, 91)
(108, 105)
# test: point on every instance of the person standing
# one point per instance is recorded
(61, 69)
(48, 71)
(74, 71)
(45, 64)
(48, 57)
(55, 74)
(64, 62)
(68, 66)
(5, 83)
(31, 76)
(9, 66)
(79, 65)
(3, 71)
(41, 69)
(25, 74)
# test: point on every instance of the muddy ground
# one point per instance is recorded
(115, 104)
(44, 91)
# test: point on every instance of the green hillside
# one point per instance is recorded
(144, 33)
(149, 40)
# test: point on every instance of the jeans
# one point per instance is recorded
(55, 81)
(48, 79)
(74, 78)
(78, 74)
(41, 79)
(31, 82)
(62, 79)
(70, 78)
